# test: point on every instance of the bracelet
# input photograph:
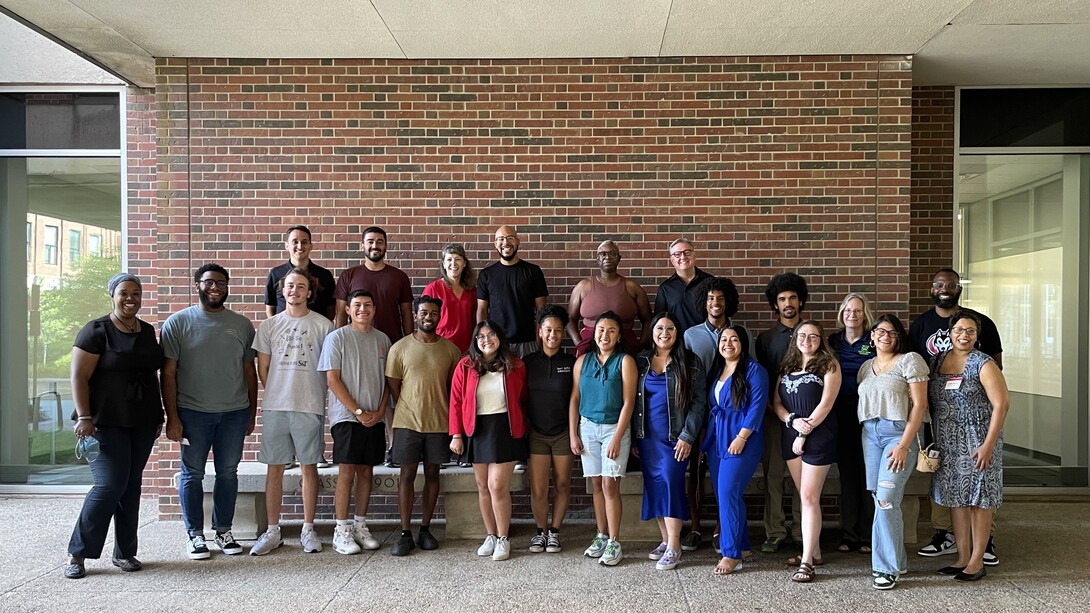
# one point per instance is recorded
(83, 418)
(456, 437)
(790, 418)
(800, 435)
(744, 438)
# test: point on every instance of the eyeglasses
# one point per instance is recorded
(486, 336)
(210, 283)
(802, 336)
(882, 333)
(601, 255)
(506, 239)
(965, 331)
(677, 255)
(941, 285)
(852, 311)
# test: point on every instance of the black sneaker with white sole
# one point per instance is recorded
(226, 542)
(197, 548)
(990, 557)
(941, 544)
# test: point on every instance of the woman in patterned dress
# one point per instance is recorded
(969, 396)
(804, 397)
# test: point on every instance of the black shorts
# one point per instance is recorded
(412, 447)
(354, 443)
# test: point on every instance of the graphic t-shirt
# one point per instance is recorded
(293, 345)
(930, 335)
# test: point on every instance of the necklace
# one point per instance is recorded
(884, 366)
(130, 328)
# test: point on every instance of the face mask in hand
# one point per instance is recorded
(87, 448)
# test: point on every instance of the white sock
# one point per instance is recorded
(360, 519)
(274, 527)
(308, 525)
(342, 522)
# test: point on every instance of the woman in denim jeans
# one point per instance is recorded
(892, 405)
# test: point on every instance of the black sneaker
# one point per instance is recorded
(990, 557)
(388, 462)
(129, 565)
(403, 546)
(227, 544)
(941, 544)
(75, 568)
(196, 548)
(427, 540)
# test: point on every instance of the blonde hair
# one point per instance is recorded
(868, 318)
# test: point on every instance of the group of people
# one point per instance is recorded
(474, 367)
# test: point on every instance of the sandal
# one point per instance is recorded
(727, 566)
(747, 555)
(847, 546)
(797, 561)
(805, 573)
(865, 549)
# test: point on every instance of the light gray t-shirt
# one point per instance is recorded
(887, 395)
(361, 358)
(210, 349)
(293, 345)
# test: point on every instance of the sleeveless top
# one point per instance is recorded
(601, 389)
(602, 298)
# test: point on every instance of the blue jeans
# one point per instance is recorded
(888, 488)
(223, 434)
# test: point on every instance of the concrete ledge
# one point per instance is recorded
(457, 484)
(632, 528)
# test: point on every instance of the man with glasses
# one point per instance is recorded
(510, 291)
(677, 294)
(210, 395)
(786, 294)
(930, 336)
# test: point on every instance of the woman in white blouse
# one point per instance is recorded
(892, 405)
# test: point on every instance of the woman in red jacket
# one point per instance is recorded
(486, 400)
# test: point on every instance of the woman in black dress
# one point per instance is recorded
(809, 382)
(115, 388)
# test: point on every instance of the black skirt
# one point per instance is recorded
(492, 442)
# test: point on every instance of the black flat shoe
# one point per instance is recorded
(950, 570)
(129, 565)
(75, 569)
(978, 575)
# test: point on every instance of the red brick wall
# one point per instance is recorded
(769, 163)
(932, 189)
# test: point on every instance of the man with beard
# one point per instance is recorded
(510, 291)
(418, 373)
(210, 395)
(391, 288)
(676, 293)
(297, 242)
(393, 297)
(930, 336)
(786, 294)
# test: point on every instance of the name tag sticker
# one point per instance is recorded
(953, 383)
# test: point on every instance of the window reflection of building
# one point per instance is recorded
(45, 264)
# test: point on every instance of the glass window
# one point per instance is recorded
(49, 241)
(1031, 117)
(60, 121)
(94, 244)
(29, 233)
(74, 245)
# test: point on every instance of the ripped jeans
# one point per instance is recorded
(888, 488)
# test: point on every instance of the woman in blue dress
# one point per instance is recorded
(969, 398)
(808, 385)
(734, 442)
(670, 406)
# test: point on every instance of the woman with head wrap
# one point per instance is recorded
(115, 389)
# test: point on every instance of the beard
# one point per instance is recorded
(212, 304)
(508, 258)
(375, 258)
(947, 303)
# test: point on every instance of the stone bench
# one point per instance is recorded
(459, 488)
(632, 528)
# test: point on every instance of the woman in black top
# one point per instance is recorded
(115, 388)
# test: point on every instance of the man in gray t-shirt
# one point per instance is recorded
(354, 361)
(210, 395)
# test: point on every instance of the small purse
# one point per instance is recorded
(928, 459)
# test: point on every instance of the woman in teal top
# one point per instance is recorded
(601, 407)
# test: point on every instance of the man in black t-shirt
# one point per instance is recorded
(510, 291)
(297, 242)
(930, 336)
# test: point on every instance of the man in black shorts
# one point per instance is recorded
(354, 361)
(418, 374)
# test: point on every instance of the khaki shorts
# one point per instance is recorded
(550, 445)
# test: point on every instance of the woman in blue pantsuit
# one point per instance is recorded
(738, 393)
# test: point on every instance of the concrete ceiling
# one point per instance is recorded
(959, 42)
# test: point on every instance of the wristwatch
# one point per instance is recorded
(358, 411)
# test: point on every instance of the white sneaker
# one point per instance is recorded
(308, 538)
(269, 540)
(343, 541)
(502, 550)
(363, 537)
(488, 547)
(612, 555)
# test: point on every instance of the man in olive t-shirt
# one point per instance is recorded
(418, 373)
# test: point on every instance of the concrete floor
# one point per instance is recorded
(1043, 548)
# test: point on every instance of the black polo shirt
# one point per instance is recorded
(321, 297)
(679, 299)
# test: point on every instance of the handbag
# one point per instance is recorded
(928, 459)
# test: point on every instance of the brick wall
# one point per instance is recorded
(769, 163)
(932, 189)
